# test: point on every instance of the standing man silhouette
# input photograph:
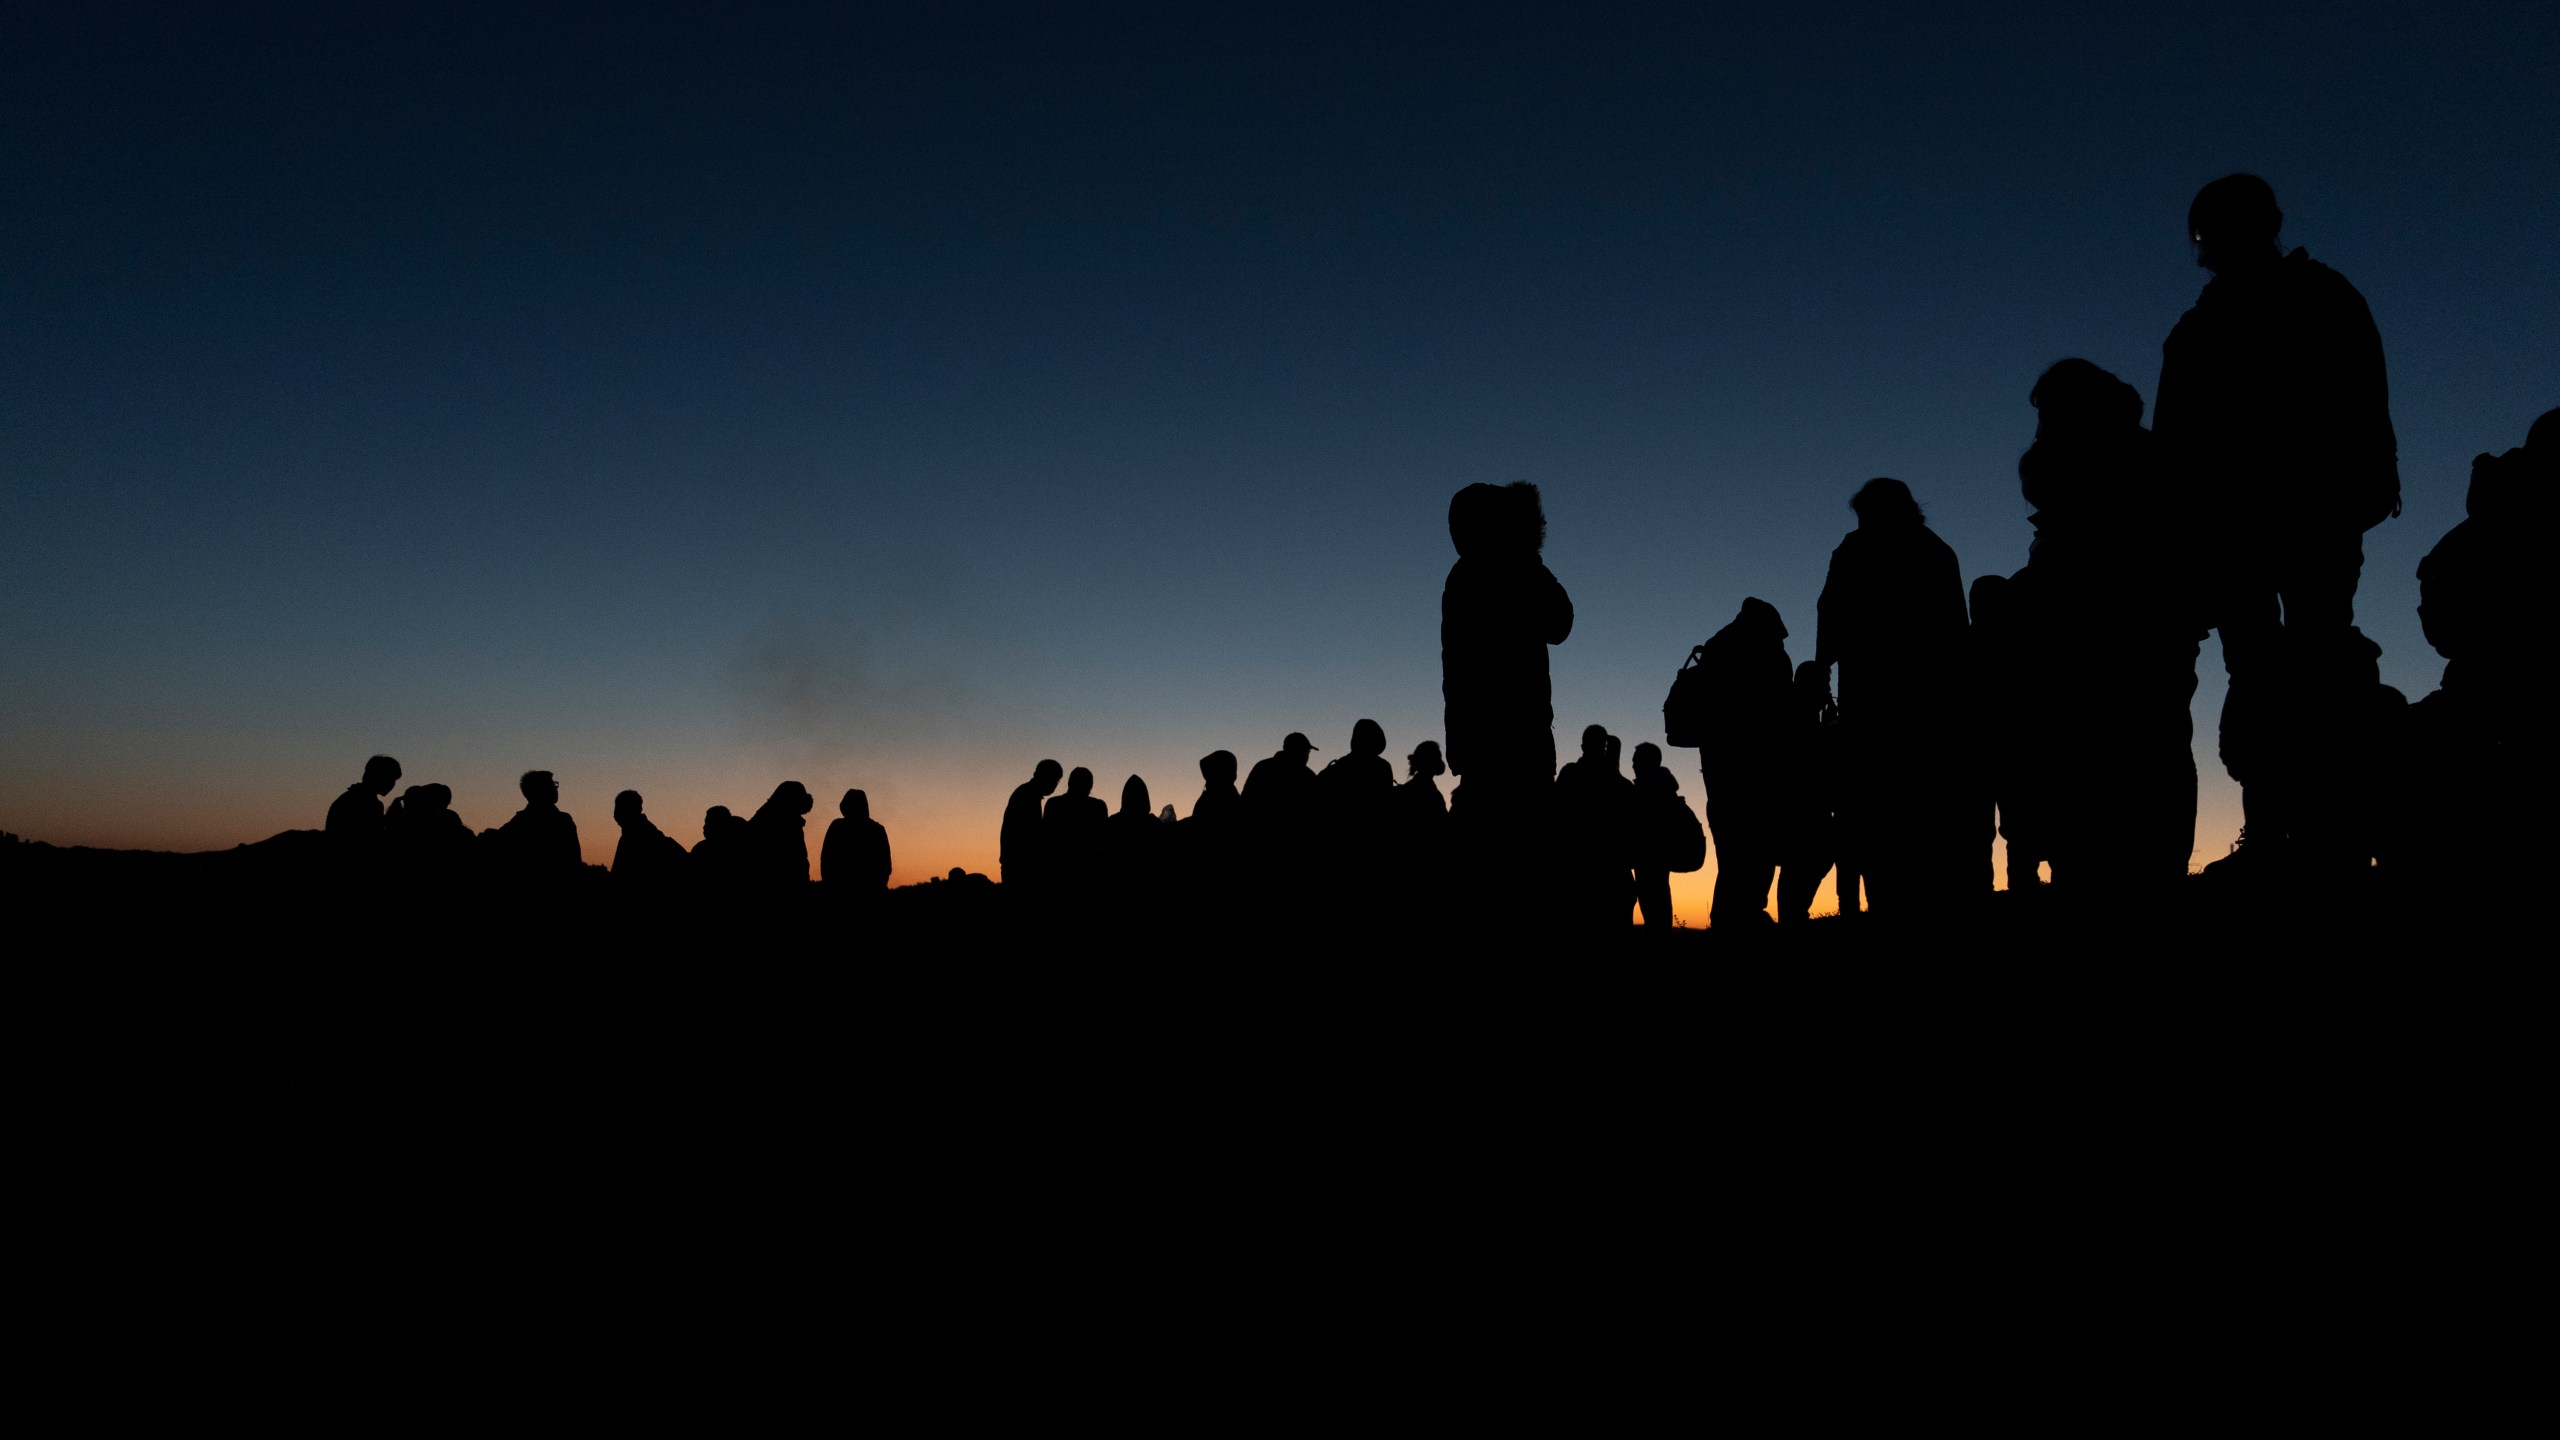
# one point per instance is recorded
(2274, 405)
(1019, 843)
(1892, 617)
(540, 841)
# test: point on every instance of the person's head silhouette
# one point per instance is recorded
(539, 788)
(1218, 769)
(1648, 758)
(626, 807)
(1297, 747)
(1425, 761)
(1595, 742)
(1046, 775)
(1885, 503)
(1498, 521)
(1079, 782)
(854, 806)
(714, 818)
(791, 798)
(1988, 599)
(433, 797)
(2234, 223)
(1760, 618)
(380, 774)
(1133, 797)
(2074, 397)
(1368, 737)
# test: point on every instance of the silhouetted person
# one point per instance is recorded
(1360, 779)
(1350, 850)
(355, 817)
(1418, 799)
(2092, 648)
(721, 859)
(1209, 845)
(540, 842)
(778, 836)
(1019, 845)
(1750, 688)
(1220, 803)
(1280, 787)
(645, 852)
(1072, 837)
(1666, 836)
(2275, 410)
(854, 858)
(2483, 601)
(430, 848)
(1413, 864)
(1137, 845)
(2474, 784)
(1595, 829)
(1279, 816)
(1892, 617)
(1499, 611)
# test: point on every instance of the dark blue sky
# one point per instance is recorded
(689, 401)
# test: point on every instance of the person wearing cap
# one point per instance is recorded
(1277, 789)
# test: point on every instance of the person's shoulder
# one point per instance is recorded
(2312, 277)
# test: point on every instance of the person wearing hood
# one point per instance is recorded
(1500, 610)
(779, 835)
(2472, 779)
(1137, 844)
(2092, 651)
(854, 858)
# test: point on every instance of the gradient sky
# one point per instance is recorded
(687, 401)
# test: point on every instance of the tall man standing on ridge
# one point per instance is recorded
(2274, 405)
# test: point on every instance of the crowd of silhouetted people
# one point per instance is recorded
(2048, 707)
(417, 839)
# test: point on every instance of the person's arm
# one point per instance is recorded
(1555, 613)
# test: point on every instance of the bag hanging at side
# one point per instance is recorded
(1684, 711)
